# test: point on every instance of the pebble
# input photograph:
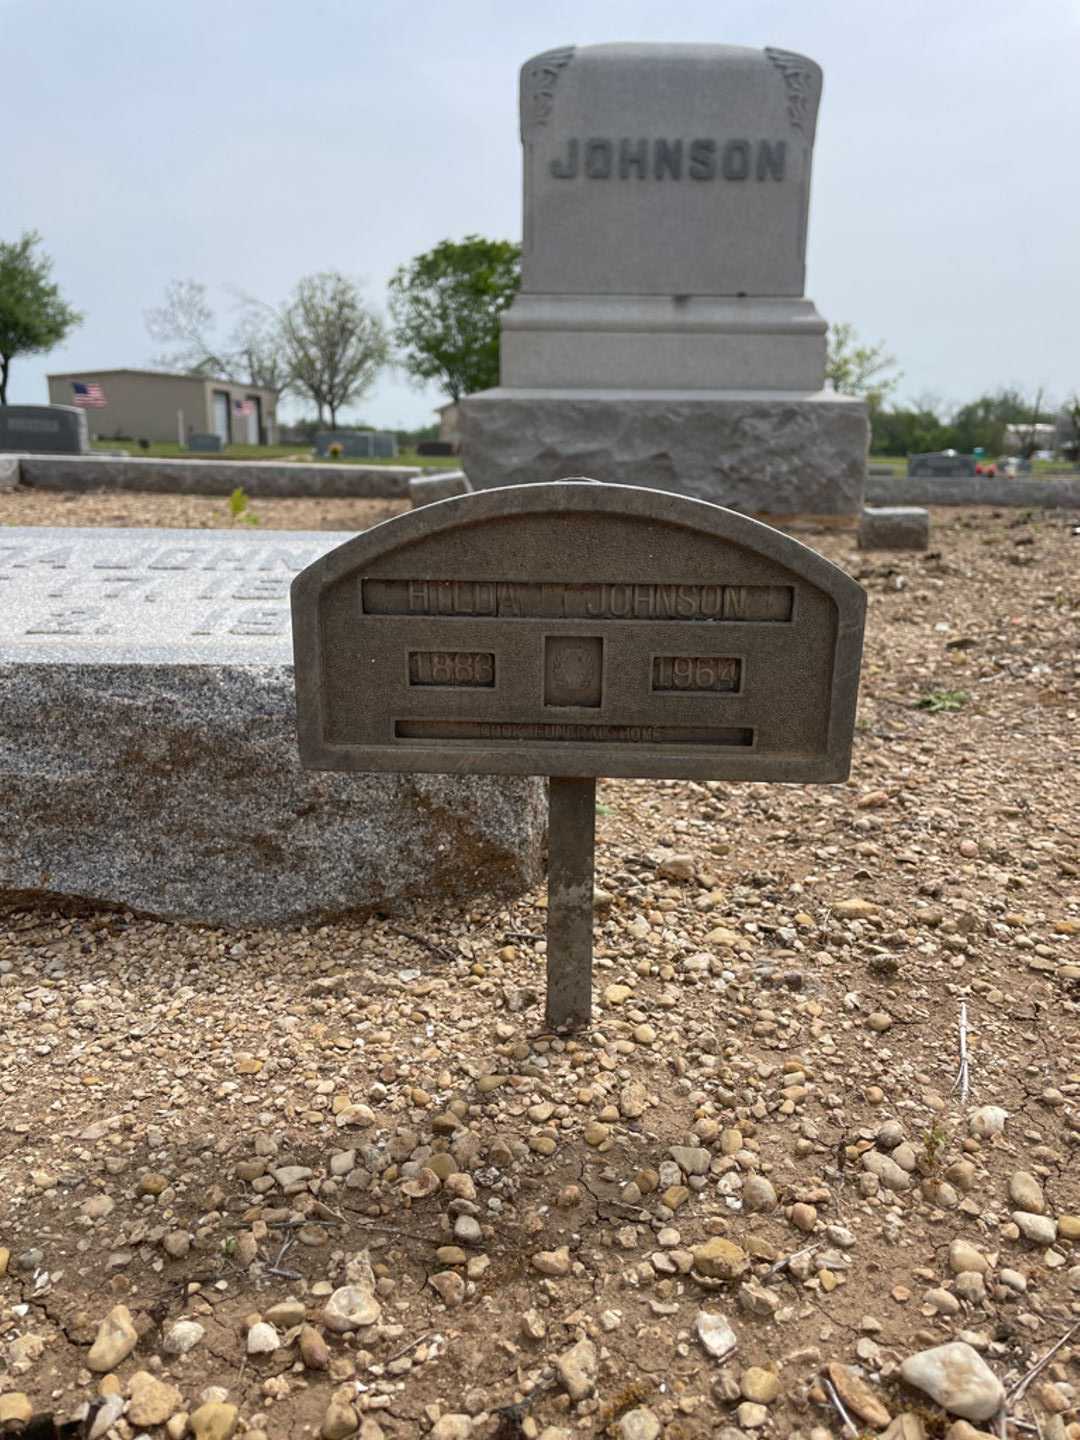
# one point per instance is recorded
(262, 1339)
(987, 1121)
(98, 1207)
(449, 1286)
(215, 1420)
(112, 1408)
(339, 1421)
(857, 1395)
(182, 1336)
(552, 1262)
(715, 1333)
(1040, 1229)
(751, 1416)
(152, 1400)
(116, 1338)
(16, 1408)
(758, 1195)
(467, 1230)
(1026, 1193)
(452, 1427)
(287, 1313)
(577, 1369)
(690, 1159)
(890, 1174)
(855, 909)
(721, 1259)
(638, 1424)
(958, 1378)
(803, 1217)
(314, 1351)
(759, 1385)
(964, 1256)
(350, 1307)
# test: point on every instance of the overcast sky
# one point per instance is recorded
(245, 145)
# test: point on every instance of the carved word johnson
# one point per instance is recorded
(601, 159)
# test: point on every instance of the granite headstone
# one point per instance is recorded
(352, 444)
(941, 462)
(148, 744)
(44, 429)
(661, 334)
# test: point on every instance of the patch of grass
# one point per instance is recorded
(941, 700)
(302, 454)
(240, 509)
(934, 1144)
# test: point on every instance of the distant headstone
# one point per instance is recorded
(44, 429)
(211, 444)
(894, 527)
(941, 462)
(148, 744)
(443, 485)
(661, 335)
(384, 445)
(576, 630)
(436, 447)
(346, 444)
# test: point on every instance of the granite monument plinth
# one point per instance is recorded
(44, 429)
(148, 750)
(667, 193)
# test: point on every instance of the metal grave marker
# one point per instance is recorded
(573, 630)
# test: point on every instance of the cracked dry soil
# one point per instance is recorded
(212, 1126)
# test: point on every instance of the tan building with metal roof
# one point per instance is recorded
(157, 406)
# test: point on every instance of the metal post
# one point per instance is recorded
(571, 837)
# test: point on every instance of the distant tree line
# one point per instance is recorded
(867, 371)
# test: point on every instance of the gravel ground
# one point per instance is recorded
(338, 1181)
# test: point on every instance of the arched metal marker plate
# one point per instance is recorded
(580, 630)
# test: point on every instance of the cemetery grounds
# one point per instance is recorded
(221, 1130)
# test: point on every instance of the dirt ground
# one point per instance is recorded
(392, 1206)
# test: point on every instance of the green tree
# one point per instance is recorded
(34, 317)
(907, 432)
(857, 369)
(446, 305)
(983, 421)
(334, 345)
(253, 354)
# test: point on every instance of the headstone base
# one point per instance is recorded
(760, 452)
(659, 342)
(894, 527)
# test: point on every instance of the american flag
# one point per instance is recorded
(89, 395)
(244, 407)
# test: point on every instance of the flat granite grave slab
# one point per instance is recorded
(148, 753)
